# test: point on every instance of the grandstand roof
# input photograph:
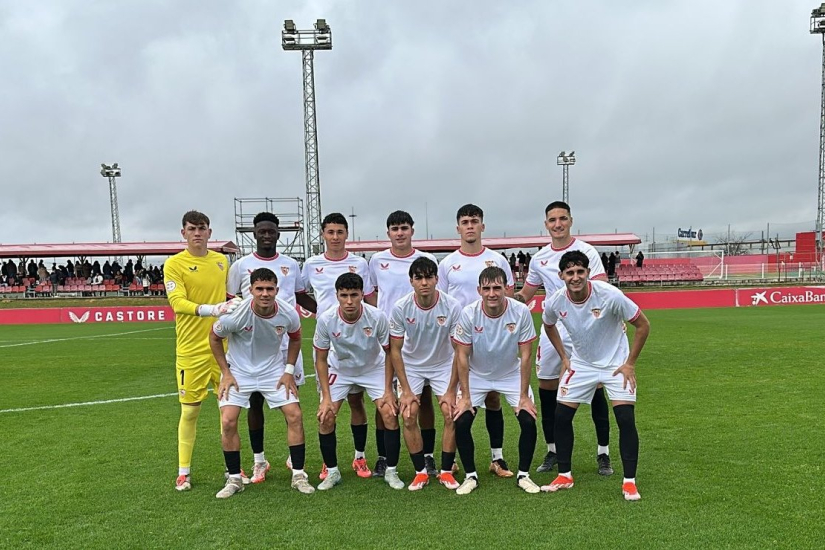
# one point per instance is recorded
(106, 249)
(498, 243)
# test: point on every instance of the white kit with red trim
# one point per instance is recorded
(544, 266)
(426, 332)
(284, 267)
(320, 273)
(391, 276)
(356, 346)
(458, 273)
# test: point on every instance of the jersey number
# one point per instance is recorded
(332, 378)
(570, 374)
(181, 377)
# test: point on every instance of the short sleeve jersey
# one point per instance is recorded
(320, 273)
(544, 267)
(254, 341)
(285, 268)
(596, 326)
(426, 332)
(391, 276)
(191, 281)
(354, 347)
(458, 273)
(495, 340)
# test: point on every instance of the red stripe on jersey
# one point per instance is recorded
(554, 249)
(460, 343)
(405, 256)
(396, 337)
(320, 349)
(528, 341)
(638, 312)
(601, 277)
(275, 257)
(483, 248)
(531, 284)
(294, 335)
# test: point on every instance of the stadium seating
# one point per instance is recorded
(660, 274)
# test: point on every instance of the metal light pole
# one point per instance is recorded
(307, 41)
(566, 160)
(352, 218)
(112, 173)
(818, 27)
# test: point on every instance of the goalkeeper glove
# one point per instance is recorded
(216, 310)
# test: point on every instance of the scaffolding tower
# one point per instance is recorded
(290, 212)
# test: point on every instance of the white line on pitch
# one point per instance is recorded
(104, 402)
(79, 338)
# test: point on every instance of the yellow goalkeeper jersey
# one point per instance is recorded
(192, 281)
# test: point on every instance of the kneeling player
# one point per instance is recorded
(351, 341)
(593, 312)
(254, 363)
(421, 352)
(495, 336)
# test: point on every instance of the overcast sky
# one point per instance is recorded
(682, 113)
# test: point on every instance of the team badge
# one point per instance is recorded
(563, 391)
(285, 270)
(220, 265)
(441, 320)
(384, 267)
(218, 326)
(489, 263)
(279, 330)
(170, 286)
(352, 269)
(393, 326)
(511, 327)
(459, 330)
(596, 312)
(367, 331)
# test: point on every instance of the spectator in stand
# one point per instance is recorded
(11, 270)
(640, 259)
(4, 270)
(97, 279)
(157, 275)
(54, 276)
(611, 266)
(604, 261)
(129, 272)
(96, 269)
(512, 262)
(146, 282)
(521, 259)
(70, 268)
(107, 270)
(116, 267)
(618, 258)
(527, 259)
(42, 273)
(118, 278)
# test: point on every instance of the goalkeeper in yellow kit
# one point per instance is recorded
(196, 286)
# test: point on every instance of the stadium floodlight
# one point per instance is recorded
(818, 27)
(566, 160)
(111, 173)
(307, 41)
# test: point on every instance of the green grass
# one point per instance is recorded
(729, 418)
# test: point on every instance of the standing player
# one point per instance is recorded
(254, 364)
(544, 270)
(265, 228)
(320, 272)
(594, 312)
(195, 282)
(495, 341)
(351, 341)
(421, 352)
(458, 276)
(390, 272)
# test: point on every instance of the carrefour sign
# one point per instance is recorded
(689, 234)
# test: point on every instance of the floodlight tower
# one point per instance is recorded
(307, 41)
(818, 27)
(566, 160)
(111, 173)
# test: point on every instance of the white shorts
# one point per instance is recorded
(343, 383)
(438, 378)
(548, 362)
(265, 385)
(509, 387)
(579, 384)
(300, 379)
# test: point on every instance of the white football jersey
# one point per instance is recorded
(255, 341)
(458, 273)
(391, 276)
(426, 332)
(596, 326)
(284, 267)
(353, 347)
(320, 273)
(544, 266)
(495, 340)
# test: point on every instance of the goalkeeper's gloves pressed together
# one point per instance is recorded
(216, 310)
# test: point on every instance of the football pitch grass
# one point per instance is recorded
(729, 415)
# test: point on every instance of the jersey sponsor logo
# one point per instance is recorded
(220, 265)
(441, 320)
(478, 330)
(193, 268)
(285, 270)
(511, 327)
(384, 266)
(596, 312)
(279, 330)
(456, 267)
(248, 329)
(170, 286)
(82, 319)
(352, 269)
(543, 263)
(562, 314)
(319, 270)
(336, 334)
(367, 331)
(411, 320)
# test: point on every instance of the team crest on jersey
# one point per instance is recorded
(352, 269)
(456, 267)
(478, 330)
(279, 330)
(411, 320)
(489, 263)
(441, 320)
(319, 270)
(285, 270)
(596, 312)
(459, 330)
(384, 267)
(220, 265)
(563, 391)
(367, 331)
(511, 327)
(336, 334)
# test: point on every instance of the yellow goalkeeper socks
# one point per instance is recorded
(187, 427)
